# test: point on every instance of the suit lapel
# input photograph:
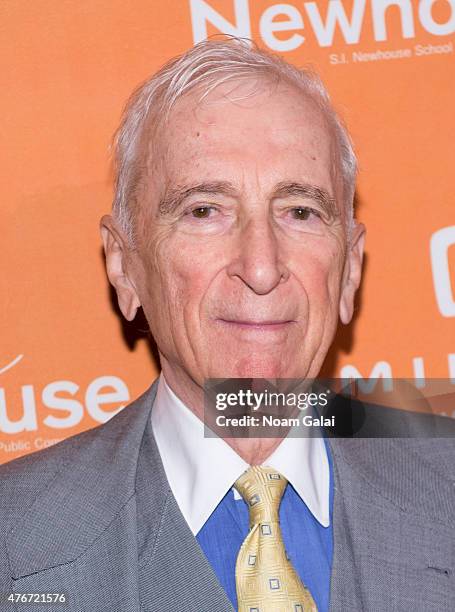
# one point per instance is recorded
(174, 573)
(393, 528)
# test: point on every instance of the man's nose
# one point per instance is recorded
(258, 257)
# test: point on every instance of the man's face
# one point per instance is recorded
(242, 259)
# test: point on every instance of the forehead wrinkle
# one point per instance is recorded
(176, 195)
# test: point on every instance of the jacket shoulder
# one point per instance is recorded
(23, 479)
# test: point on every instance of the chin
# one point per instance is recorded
(259, 367)
(256, 364)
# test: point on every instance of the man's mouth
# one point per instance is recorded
(267, 325)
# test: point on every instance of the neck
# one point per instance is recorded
(252, 450)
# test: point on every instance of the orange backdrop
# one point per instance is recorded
(68, 67)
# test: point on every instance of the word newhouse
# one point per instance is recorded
(65, 410)
(323, 18)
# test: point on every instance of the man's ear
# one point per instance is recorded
(116, 251)
(352, 272)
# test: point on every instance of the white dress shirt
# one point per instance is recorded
(201, 470)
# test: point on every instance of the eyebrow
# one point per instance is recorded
(174, 197)
(311, 192)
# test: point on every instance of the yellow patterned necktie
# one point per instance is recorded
(265, 578)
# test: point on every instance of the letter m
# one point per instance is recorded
(381, 369)
(336, 14)
(202, 12)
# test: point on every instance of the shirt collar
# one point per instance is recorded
(201, 470)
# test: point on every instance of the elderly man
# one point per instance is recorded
(233, 229)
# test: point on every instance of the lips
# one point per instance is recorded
(265, 325)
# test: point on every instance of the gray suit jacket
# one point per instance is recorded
(94, 518)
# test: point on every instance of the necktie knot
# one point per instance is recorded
(262, 489)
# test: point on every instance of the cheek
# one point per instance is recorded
(320, 272)
(333, 283)
(185, 271)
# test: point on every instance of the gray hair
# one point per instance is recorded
(207, 65)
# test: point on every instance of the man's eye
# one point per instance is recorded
(303, 213)
(201, 212)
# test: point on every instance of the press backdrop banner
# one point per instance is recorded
(67, 363)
